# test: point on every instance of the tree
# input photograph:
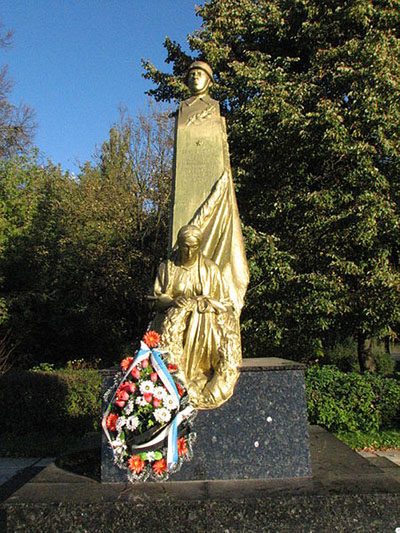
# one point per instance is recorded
(17, 125)
(16, 131)
(30, 229)
(311, 93)
(79, 255)
(119, 213)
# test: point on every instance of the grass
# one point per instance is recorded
(385, 439)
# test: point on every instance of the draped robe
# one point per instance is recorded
(202, 336)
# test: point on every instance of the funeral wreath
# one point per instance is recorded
(148, 414)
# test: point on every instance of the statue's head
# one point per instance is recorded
(189, 243)
(199, 78)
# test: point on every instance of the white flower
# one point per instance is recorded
(132, 423)
(162, 415)
(159, 393)
(118, 445)
(146, 387)
(120, 423)
(119, 459)
(170, 402)
(129, 407)
(151, 456)
(141, 401)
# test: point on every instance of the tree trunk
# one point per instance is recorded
(387, 344)
(365, 358)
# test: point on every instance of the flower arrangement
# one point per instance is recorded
(147, 421)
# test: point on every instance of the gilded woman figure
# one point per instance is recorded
(197, 321)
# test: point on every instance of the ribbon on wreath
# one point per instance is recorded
(171, 430)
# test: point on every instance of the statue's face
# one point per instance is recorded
(189, 248)
(198, 81)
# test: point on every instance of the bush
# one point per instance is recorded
(385, 439)
(65, 401)
(351, 402)
(384, 363)
(343, 355)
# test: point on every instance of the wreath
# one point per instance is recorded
(147, 420)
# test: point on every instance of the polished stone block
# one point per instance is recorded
(260, 433)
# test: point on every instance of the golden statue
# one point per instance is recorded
(200, 289)
(197, 321)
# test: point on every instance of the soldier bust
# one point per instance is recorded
(200, 105)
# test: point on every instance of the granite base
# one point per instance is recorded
(346, 494)
(260, 433)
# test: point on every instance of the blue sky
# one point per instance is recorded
(76, 61)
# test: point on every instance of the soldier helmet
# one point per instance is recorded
(203, 66)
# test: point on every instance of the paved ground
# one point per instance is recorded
(347, 492)
(10, 467)
(391, 455)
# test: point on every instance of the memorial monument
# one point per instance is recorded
(200, 289)
(261, 432)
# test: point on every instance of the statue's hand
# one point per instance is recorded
(210, 305)
(180, 301)
(163, 302)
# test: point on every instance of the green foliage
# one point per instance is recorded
(78, 256)
(82, 364)
(384, 363)
(62, 401)
(343, 355)
(310, 91)
(382, 440)
(283, 301)
(351, 402)
(43, 367)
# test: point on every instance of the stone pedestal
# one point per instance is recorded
(260, 433)
(346, 493)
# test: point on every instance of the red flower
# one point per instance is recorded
(132, 387)
(135, 372)
(156, 402)
(153, 377)
(135, 464)
(180, 390)
(126, 363)
(111, 421)
(124, 386)
(151, 338)
(148, 397)
(172, 368)
(122, 395)
(182, 448)
(160, 466)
